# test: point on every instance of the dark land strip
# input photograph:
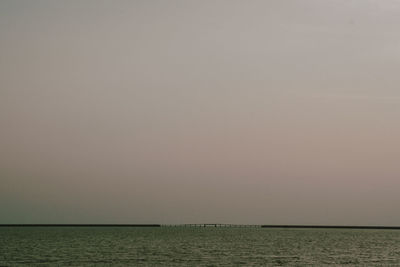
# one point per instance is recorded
(334, 226)
(80, 225)
(209, 225)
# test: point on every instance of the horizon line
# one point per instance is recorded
(200, 224)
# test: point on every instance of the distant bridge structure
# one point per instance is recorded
(225, 225)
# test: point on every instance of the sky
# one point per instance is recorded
(252, 112)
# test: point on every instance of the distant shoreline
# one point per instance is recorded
(209, 225)
(333, 226)
(79, 225)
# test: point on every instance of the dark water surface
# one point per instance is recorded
(166, 246)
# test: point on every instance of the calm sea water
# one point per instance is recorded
(80, 246)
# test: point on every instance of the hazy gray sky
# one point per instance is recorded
(200, 111)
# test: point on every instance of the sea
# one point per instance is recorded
(197, 246)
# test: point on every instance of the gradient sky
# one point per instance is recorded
(270, 112)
